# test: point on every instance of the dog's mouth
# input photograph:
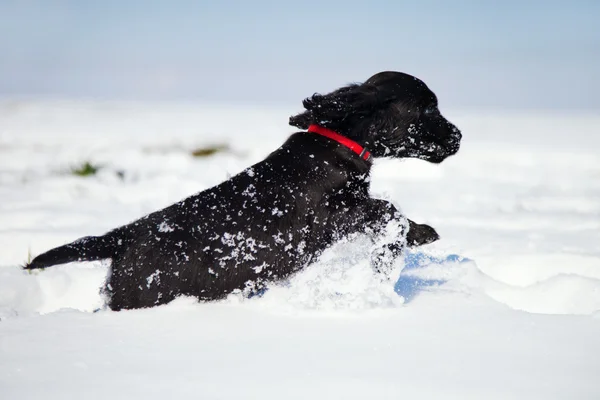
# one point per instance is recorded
(432, 148)
(436, 153)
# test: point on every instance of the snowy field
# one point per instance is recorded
(505, 306)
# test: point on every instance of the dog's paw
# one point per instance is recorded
(420, 234)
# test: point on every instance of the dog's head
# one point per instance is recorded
(393, 114)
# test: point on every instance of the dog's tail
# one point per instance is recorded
(89, 248)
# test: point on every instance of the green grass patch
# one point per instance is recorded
(85, 169)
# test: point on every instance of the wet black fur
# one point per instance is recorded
(277, 216)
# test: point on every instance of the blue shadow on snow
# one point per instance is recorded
(408, 286)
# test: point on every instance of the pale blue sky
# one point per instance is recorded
(509, 54)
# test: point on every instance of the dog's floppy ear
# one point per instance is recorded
(331, 110)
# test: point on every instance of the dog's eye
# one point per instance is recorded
(430, 110)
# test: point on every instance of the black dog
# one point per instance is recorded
(277, 216)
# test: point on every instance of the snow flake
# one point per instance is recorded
(301, 247)
(155, 276)
(164, 227)
(259, 269)
(250, 191)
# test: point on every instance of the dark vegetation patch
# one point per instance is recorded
(207, 151)
(85, 169)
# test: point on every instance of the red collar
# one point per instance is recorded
(351, 144)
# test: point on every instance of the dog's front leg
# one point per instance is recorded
(382, 221)
(388, 226)
(384, 256)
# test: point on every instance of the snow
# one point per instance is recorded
(506, 305)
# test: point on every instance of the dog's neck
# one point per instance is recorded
(343, 140)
